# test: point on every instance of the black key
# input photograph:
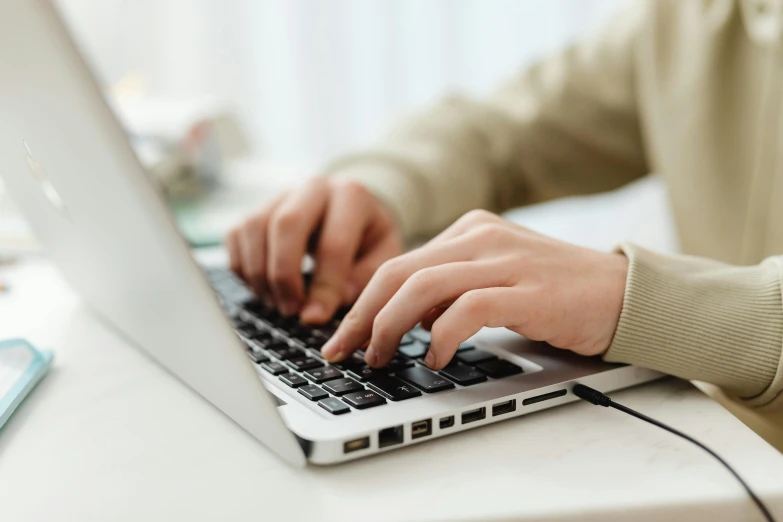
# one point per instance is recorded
(284, 352)
(262, 335)
(247, 329)
(257, 344)
(257, 357)
(313, 392)
(288, 323)
(473, 357)
(393, 388)
(304, 363)
(313, 342)
(398, 362)
(293, 380)
(324, 374)
(342, 386)
(364, 399)
(300, 332)
(364, 373)
(275, 368)
(465, 346)
(257, 307)
(351, 363)
(334, 406)
(499, 368)
(414, 350)
(420, 334)
(425, 380)
(463, 374)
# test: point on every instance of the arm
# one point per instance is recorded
(568, 125)
(704, 320)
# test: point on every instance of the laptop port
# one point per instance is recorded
(390, 436)
(421, 429)
(447, 422)
(544, 397)
(474, 415)
(356, 445)
(502, 408)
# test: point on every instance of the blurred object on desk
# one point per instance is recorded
(184, 143)
(245, 185)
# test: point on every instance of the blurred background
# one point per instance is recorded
(228, 102)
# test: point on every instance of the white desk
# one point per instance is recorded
(108, 435)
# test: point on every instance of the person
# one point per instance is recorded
(690, 90)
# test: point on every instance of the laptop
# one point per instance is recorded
(69, 166)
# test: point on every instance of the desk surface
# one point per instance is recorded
(108, 435)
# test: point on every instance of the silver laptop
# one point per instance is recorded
(70, 168)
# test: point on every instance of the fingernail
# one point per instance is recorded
(314, 311)
(370, 357)
(430, 359)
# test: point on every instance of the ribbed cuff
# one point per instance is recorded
(391, 185)
(703, 320)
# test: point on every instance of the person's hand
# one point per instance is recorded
(353, 232)
(486, 271)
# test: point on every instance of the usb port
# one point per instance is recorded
(447, 422)
(356, 445)
(502, 408)
(421, 429)
(474, 415)
(390, 436)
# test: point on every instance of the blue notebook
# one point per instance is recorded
(21, 367)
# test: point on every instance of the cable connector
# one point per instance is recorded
(592, 396)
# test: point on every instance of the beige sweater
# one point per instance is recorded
(690, 89)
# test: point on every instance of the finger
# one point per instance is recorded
(253, 239)
(491, 307)
(366, 266)
(357, 325)
(289, 228)
(341, 233)
(234, 255)
(424, 290)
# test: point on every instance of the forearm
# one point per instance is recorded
(704, 320)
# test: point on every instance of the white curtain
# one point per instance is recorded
(311, 78)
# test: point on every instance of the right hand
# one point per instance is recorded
(356, 233)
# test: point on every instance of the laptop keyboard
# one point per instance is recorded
(290, 351)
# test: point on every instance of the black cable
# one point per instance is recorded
(599, 399)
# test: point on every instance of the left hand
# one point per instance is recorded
(485, 271)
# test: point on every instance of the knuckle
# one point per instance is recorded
(352, 188)
(335, 248)
(492, 232)
(391, 270)
(472, 303)
(285, 220)
(424, 280)
(478, 216)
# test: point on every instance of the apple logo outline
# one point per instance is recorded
(39, 174)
